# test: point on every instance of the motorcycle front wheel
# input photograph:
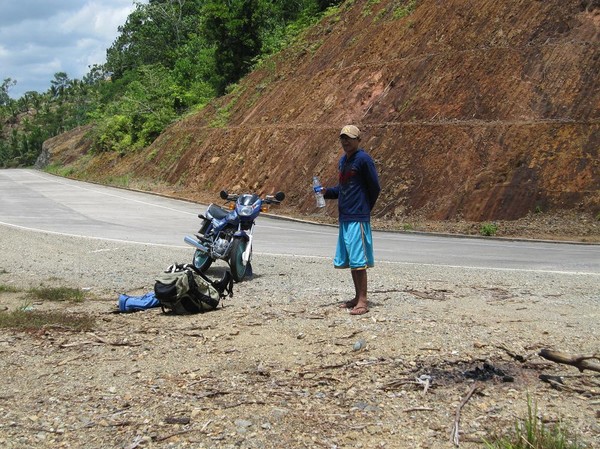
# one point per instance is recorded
(238, 269)
(202, 261)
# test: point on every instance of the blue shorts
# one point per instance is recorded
(355, 246)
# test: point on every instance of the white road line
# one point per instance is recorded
(64, 234)
(116, 196)
(526, 270)
(164, 245)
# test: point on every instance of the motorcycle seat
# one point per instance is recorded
(217, 211)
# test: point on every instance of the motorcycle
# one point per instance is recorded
(227, 234)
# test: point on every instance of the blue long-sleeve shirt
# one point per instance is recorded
(358, 187)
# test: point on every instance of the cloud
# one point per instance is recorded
(21, 10)
(41, 37)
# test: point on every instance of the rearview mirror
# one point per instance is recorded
(279, 196)
(224, 194)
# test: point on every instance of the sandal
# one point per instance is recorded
(348, 304)
(360, 310)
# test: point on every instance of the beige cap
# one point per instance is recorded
(351, 131)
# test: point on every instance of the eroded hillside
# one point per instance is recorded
(475, 110)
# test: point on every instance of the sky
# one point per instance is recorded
(39, 38)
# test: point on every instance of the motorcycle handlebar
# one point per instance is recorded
(277, 198)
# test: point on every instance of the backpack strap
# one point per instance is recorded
(214, 303)
(224, 285)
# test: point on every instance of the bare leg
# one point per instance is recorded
(350, 304)
(360, 286)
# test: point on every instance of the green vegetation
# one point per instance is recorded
(488, 229)
(404, 8)
(59, 170)
(119, 181)
(8, 289)
(58, 294)
(26, 319)
(169, 58)
(532, 434)
(22, 319)
(224, 111)
(367, 11)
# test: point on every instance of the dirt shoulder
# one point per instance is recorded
(277, 365)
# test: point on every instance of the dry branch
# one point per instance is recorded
(581, 362)
(559, 385)
(454, 434)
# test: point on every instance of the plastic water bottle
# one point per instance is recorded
(318, 193)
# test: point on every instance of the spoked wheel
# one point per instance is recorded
(238, 269)
(202, 261)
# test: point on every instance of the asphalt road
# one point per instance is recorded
(38, 201)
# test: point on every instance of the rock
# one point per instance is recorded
(359, 345)
(243, 423)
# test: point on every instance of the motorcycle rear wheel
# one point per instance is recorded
(202, 261)
(238, 269)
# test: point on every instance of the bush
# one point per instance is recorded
(488, 229)
(114, 134)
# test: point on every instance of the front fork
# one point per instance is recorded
(248, 236)
(248, 252)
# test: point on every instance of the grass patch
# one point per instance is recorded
(119, 181)
(405, 8)
(223, 113)
(367, 10)
(59, 170)
(8, 289)
(532, 434)
(24, 320)
(488, 229)
(58, 294)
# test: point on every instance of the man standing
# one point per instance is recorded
(356, 192)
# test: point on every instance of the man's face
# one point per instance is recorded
(349, 145)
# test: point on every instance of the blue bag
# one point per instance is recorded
(134, 303)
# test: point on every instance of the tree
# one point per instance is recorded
(96, 74)
(151, 34)
(144, 109)
(60, 84)
(170, 56)
(4, 88)
(234, 28)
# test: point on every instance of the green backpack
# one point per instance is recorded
(183, 289)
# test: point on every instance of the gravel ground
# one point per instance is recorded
(277, 366)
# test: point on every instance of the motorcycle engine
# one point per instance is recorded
(221, 246)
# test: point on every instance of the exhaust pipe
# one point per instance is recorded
(195, 243)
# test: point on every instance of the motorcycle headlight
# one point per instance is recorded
(245, 211)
